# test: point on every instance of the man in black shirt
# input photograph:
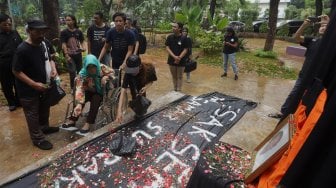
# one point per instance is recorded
(121, 40)
(9, 40)
(33, 69)
(96, 34)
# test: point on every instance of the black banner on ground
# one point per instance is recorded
(170, 142)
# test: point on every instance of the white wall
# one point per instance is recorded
(264, 4)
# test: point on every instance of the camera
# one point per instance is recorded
(314, 19)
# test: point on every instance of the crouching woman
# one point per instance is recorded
(138, 78)
(88, 87)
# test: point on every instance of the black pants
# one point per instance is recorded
(74, 66)
(8, 84)
(37, 116)
(95, 101)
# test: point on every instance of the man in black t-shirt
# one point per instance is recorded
(9, 40)
(96, 35)
(177, 47)
(120, 41)
(31, 66)
(229, 51)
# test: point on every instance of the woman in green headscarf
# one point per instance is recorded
(88, 87)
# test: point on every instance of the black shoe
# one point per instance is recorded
(275, 115)
(236, 77)
(224, 75)
(44, 145)
(12, 108)
(50, 130)
(83, 131)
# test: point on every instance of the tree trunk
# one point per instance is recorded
(273, 15)
(319, 7)
(50, 15)
(212, 8)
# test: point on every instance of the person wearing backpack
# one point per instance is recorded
(189, 53)
(96, 35)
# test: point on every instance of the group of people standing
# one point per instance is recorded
(27, 67)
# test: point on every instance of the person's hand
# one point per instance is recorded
(77, 110)
(68, 58)
(142, 91)
(104, 80)
(324, 19)
(53, 73)
(307, 22)
(39, 86)
(177, 59)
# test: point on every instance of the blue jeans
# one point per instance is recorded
(232, 58)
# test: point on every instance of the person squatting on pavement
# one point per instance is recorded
(138, 78)
(33, 71)
(89, 82)
(9, 41)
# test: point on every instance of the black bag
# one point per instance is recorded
(140, 105)
(54, 94)
(121, 145)
(142, 43)
(190, 66)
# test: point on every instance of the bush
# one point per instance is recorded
(242, 44)
(283, 31)
(263, 28)
(210, 42)
(266, 54)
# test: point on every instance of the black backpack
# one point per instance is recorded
(142, 43)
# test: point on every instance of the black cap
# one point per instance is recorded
(132, 64)
(37, 24)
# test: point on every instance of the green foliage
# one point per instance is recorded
(249, 15)
(283, 31)
(210, 42)
(266, 54)
(191, 17)
(217, 23)
(242, 44)
(292, 12)
(231, 9)
(164, 26)
(263, 28)
(31, 12)
(88, 9)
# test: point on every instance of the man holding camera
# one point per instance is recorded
(312, 45)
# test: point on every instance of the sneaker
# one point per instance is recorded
(69, 127)
(12, 108)
(82, 132)
(236, 77)
(188, 80)
(50, 130)
(224, 75)
(44, 145)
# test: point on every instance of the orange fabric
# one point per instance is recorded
(304, 125)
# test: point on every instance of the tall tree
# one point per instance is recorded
(319, 7)
(273, 16)
(3, 6)
(212, 8)
(50, 15)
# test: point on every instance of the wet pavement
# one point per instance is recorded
(18, 152)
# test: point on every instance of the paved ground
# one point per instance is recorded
(17, 152)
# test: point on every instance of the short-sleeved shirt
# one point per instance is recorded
(119, 42)
(30, 60)
(177, 44)
(146, 75)
(96, 36)
(230, 49)
(8, 44)
(72, 40)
